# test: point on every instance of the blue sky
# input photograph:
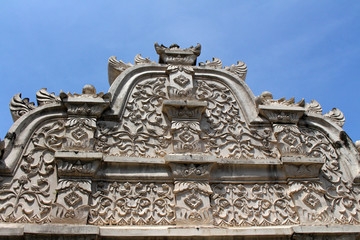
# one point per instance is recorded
(301, 49)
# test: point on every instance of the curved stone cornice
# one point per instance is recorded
(121, 87)
(23, 128)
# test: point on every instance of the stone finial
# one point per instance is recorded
(19, 106)
(266, 98)
(337, 116)
(140, 60)
(115, 68)
(314, 107)
(89, 90)
(176, 55)
(216, 63)
(239, 69)
(44, 97)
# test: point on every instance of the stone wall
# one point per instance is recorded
(177, 150)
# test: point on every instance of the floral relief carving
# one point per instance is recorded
(337, 193)
(193, 202)
(115, 203)
(143, 130)
(252, 205)
(80, 133)
(310, 202)
(71, 205)
(28, 196)
(224, 130)
(24, 200)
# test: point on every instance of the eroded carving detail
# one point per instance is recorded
(79, 133)
(266, 98)
(216, 63)
(337, 116)
(132, 204)
(140, 60)
(314, 107)
(310, 202)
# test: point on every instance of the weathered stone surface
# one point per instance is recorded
(177, 151)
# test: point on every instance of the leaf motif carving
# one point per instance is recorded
(19, 106)
(44, 97)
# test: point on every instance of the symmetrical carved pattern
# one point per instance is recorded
(80, 133)
(192, 201)
(72, 201)
(212, 164)
(252, 205)
(117, 203)
(310, 201)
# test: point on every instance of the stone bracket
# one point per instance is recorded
(78, 163)
(282, 114)
(302, 167)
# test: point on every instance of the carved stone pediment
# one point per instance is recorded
(171, 146)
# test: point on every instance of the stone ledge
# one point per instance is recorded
(16, 230)
(78, 155)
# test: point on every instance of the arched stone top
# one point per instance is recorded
(127, 80)
(174, 144)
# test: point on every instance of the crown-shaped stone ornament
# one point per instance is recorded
(176, 55)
